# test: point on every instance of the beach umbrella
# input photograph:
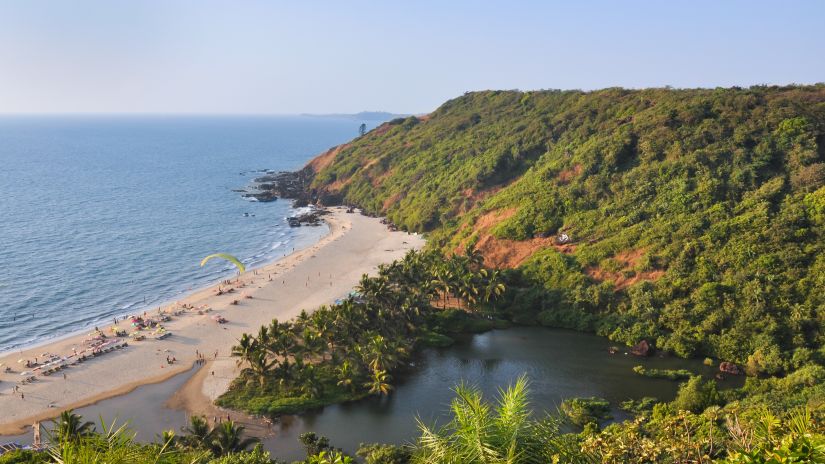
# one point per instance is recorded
(238, 264)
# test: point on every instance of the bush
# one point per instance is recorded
(24, 457)
(376, 453)
(582, 411)
(696, 395)
(670, 374)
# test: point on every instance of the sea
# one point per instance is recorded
(105, 216)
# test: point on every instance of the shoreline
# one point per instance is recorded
(181, 295)
(361, 244)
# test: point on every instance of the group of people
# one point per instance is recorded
(200, 359)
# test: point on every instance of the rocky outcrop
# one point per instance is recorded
(309, 218)
(261, 196)
(642, 348)
(729, 368)
(274, 185)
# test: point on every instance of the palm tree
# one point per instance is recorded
(168, 438)
(481, 433)
(467, 288)
(228, 438)
(197, 434)
(444, 281)
(346, 373)
(474, 256)
(309, 383)
(301, 320)
(71, 427)
(260, 365)
(379, 383)
(493, 287)
(116, 445)
(244, 350)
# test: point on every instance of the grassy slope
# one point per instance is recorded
(697, 216)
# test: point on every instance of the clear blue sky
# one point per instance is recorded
(205, 56)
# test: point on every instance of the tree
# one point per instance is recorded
(228, 438)
(260, 365)
(379, 383)
(483, 433)
(696, 394)
(362, 129)
(198, 435)
(330, 457)
(71, 427)
(346, 375)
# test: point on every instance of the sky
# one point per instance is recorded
(312, 56)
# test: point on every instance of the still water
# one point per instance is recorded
(558, 363)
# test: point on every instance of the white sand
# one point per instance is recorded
(304, 280)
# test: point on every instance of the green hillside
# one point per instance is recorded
(696, 217)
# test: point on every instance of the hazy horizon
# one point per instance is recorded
(267, 58)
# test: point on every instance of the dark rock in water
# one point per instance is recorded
(262, 196)
(642, 348)
(284, 185)
(729, 368)
(311, 218)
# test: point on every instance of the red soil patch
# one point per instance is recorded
(338, 184)
(380, 130)
(567, 175)
(392, 200)
(477, 195)
(506, 253)
(380, 178)
(628, 259)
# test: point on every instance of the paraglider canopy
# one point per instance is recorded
(228, 257)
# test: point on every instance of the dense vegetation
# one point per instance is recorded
(693, 219)
(352, 349)
(696, 217)
(504, 431)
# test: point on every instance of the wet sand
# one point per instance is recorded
(304, 280)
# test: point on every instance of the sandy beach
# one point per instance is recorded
(305, 279)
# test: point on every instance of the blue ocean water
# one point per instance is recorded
(105, 216)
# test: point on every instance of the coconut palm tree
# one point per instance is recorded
(198, 435)
(493, 288)
(346, 375)
(260, 365)
(468, 289)
(116, 445)
(444, 280)
(70, 427)
(228, 438)
(500, 433)
(244, 350)
(379, 383)
(474, 257)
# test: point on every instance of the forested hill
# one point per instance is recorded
(696, 218)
